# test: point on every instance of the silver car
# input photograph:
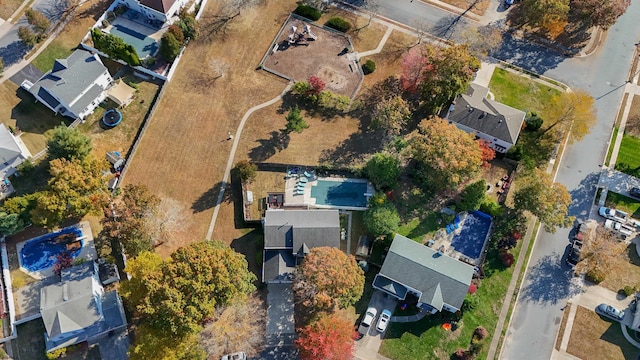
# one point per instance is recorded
(610, 312)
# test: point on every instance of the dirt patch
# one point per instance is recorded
(301, 53)
(593, 338)
(626, 271)
(633, 120)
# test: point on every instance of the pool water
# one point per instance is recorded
(40, 253)
(473, 234)
(340, 193)
(145, 46)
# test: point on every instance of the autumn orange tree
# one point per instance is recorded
(547, 15)
(548, 200)
(603, 13)
(328, 278)
(329, 338)
(600, 254)
(391, 115)
(446, 155)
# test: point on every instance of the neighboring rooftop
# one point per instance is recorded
(478, 112)
(162, 6)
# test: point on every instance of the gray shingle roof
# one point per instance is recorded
(476, 111)
(9, 149)
(278, 265)
(159, 5)
(295, 229)
(68, 79)
(440, 278)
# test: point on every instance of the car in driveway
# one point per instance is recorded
(369, 317)
(609, 311)
(383, 322)
(235, 356)
(635, 192)
(622, 229)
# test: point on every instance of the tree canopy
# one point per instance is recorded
(391, 115)
(177, 295)
(10, 223)
(295, 121)
(549, 201)
(572, 111)
(328, 278)
(446, 155)
(383, 170)
(472, 196)
(603, 13)
(68, 143)
(550, 15)
(382, 219)
(600, 253)
(329, 338)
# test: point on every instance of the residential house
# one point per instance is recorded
(436, 281)
(12, 153)
(161, 10)
(488, 119)
(74, 87)
(289, 235)
(77, 308)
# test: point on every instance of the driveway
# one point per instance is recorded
(115, 347)
(617, 182)
(367, 347)
(28, 72)
(280, 323)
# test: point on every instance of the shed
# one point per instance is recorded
(121, 93)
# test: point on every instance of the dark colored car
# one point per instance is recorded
(573, 257)
(635, 192)
(610, 312)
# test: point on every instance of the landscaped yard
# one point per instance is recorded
(624, 203)
(521, 92)
(626, 273)
(426, 339)
(629, 154)
(593, 338)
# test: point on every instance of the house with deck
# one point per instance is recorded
(418, 274)
(74, 87)
(77, 309)
(488, 119)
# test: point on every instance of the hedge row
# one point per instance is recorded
(114, 47)
(308, 12)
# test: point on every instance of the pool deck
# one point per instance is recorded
(88, 252)
(291, 199)
(441, 238)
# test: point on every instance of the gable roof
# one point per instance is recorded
(70, 305)
(440, 278)
(159, 5)
(301, 230)
(278, 265)
(477, 112)
(9, 148)
(69, 79)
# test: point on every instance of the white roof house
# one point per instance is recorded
(12, 153)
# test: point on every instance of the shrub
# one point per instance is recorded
(114, 47)
(37, 19)
(27, 36)
(246, 170)
(301, 88)
(596, 276)
(189, 25)
(295, 121)
(533, 122)
(491, 207)
(368, 67)
(26, 167)
(462, 354)
(629, 290)
(308, 12)
(480, 333)
(472, 196)
(56, 354)
(472, 289)
(169, 46)
(506, 257)
(177, 32)
(339, 24)
(470, 302)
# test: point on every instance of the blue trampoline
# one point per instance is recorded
(473, 234)
(112, 118)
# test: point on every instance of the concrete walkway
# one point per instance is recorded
(232, 154)
(412, 318)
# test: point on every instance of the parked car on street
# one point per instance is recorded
(613, 214)
(385, 316)
(610, 312)
(635, 192)
(369, 317)
(235, 356)
(573, 257)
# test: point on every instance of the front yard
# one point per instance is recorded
(624, 203)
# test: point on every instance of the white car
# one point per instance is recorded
(235, 356)
(613, 214)
(623, 229)
(369, 317)
(385, 316)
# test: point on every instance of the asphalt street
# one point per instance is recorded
(548, 283)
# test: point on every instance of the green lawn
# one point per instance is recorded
(612, 144)
(520, 92)
(629, 155)
(416, 229)
(55, 50)
(426, 339)
(624, 203)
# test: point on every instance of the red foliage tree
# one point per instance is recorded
(329, 338)
(63, 261)
(488, 153)
(472, 289)
(413, 66)
(317, 85)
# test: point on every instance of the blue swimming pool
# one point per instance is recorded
(145, 46)
(40, 253)
(343, 193)
(473, 234)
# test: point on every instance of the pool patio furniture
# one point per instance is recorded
(299, 192)
(301, 186)
(308, 174)
(303, 179)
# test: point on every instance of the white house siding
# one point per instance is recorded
(493, 142)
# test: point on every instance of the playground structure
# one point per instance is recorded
(301, 38)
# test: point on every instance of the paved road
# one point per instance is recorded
(548, 283)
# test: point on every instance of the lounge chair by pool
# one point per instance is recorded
(303, 179)
(307, 174)
(300, 186)
(299, 192)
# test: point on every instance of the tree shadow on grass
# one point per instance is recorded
(550, 282)
(277, 142)
(209, 198)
